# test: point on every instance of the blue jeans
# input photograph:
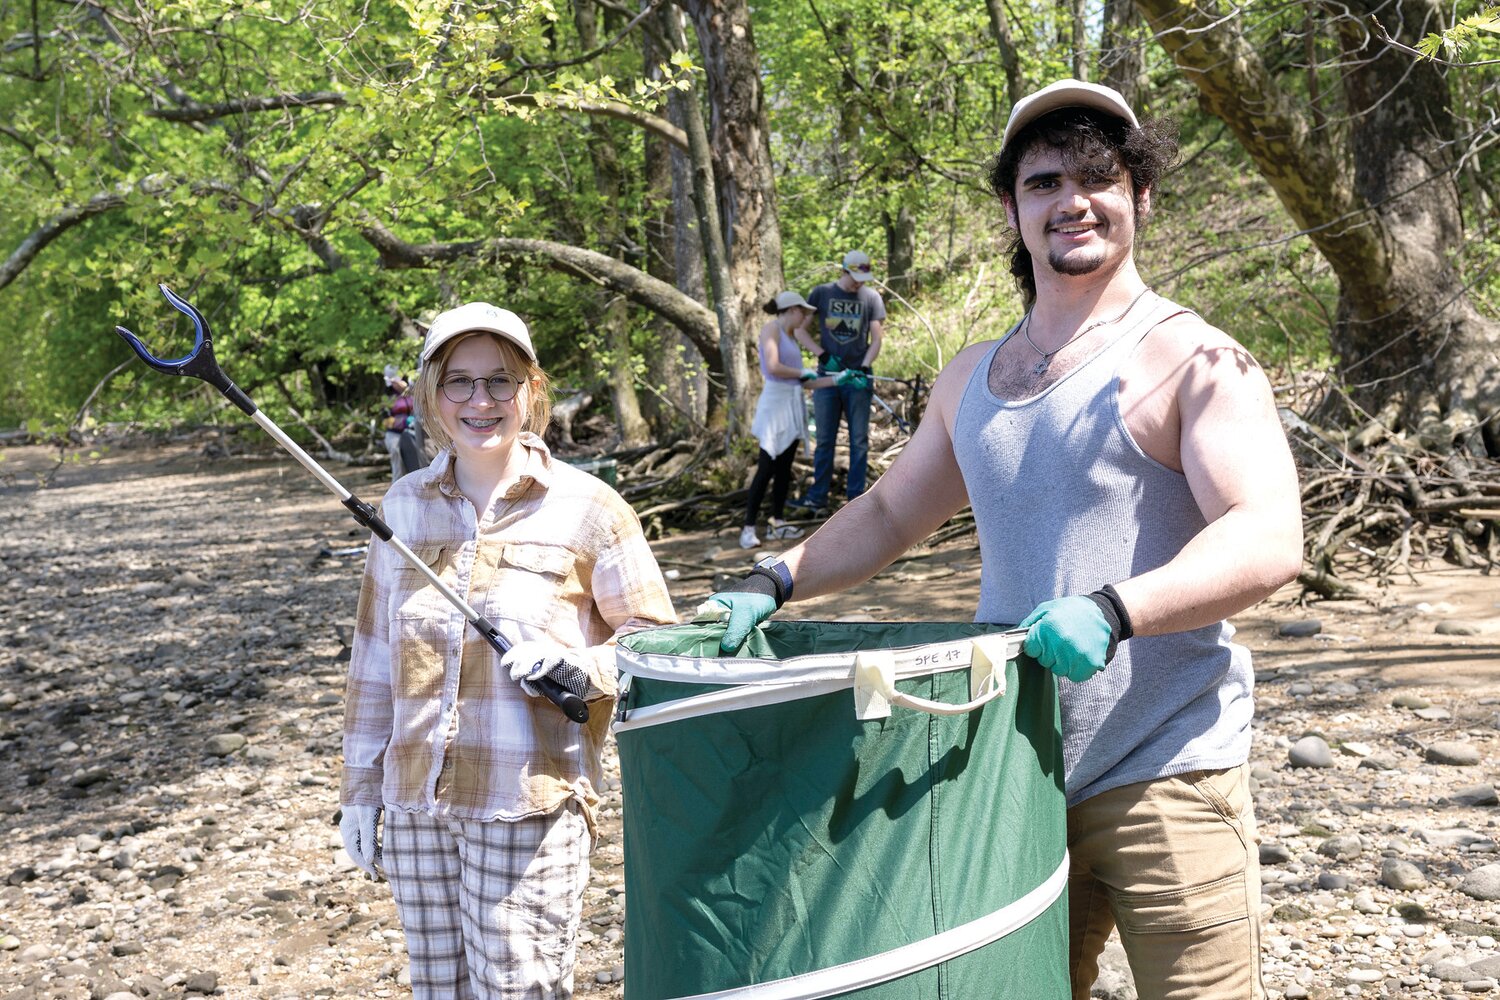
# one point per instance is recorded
(854, 405)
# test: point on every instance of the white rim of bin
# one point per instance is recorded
(754, 683)
(876, 969)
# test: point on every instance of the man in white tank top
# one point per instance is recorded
(1132, 488)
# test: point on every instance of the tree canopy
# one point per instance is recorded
(318, 179)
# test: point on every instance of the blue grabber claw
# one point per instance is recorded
(198, 363)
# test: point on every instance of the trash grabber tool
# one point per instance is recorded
(564, 687)
(905, 427)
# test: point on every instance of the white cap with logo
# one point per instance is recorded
(477, 317)
(857, 263)
(1065, 94)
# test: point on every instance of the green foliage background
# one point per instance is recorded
(872, 109)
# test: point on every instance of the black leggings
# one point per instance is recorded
(776, 471)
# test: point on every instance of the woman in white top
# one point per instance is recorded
(780, 423)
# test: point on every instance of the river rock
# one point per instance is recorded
(1455, 838)
(1474, 795)
(1410, 701)
(1453, 626)
(1482, 883)
(224, 744)
(1380, 762)
(1343, 847)
(1452, 752)
(201, 982)
(1310, 751)
(1401, 875)
(1299, 629)
(1452, 969)
(1274, 854)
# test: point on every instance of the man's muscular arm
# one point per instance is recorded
(1231, 447)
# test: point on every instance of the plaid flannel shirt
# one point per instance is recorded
(431, 722)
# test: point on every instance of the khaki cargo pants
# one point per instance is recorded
(1174, 863)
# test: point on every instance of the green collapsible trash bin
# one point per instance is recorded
(869, 810)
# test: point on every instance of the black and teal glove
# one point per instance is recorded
(1074, 637)
(749, 602)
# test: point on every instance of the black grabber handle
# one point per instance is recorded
(199, 363)
(564, 687)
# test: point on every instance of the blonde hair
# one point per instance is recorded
(536, 385)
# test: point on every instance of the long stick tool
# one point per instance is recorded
(564, 686)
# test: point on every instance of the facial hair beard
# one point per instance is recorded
(1074, 265)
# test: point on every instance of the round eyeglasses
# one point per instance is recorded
(460, 388)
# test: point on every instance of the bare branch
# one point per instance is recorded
(688, 315)
(608, 109)
(105, 201)
(192, 111)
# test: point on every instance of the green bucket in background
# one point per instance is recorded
(781, 843)
(603, 466)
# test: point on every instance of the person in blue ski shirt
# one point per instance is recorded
(851, 319)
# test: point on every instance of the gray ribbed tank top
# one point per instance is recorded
(1065, 502)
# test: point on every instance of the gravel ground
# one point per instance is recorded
(170, 703)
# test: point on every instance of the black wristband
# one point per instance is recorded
(1127, 630)
(1113, 609)
(762, 581)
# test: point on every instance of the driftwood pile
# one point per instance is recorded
(1378, 503)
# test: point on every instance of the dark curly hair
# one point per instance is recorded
(1083, 134)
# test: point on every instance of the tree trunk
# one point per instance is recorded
(1389, 226)
(1121, 60)
(900, 249)
(615, 317)
(1079, 35)
(733, 343)
(742, 151)
(687, 257)
(1009, 58)
(672, 367)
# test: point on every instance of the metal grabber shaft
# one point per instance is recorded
(200, 364)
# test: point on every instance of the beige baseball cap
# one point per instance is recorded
(1065, 94)
(857, 263)
(477, 317)
(785, 300)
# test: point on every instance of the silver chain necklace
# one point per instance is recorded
(1040, 368)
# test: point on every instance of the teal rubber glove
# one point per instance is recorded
(750, 602)
(808, 374)
(1074, 637)
(746, 611)
(853, 378)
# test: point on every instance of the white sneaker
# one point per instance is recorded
(748, 538)
(780, 529)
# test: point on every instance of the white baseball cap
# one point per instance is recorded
(786, 300)
(477, 317)
(857, 263)
(1065, 94)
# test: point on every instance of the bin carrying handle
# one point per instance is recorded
(875, 679)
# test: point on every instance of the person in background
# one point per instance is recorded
(1132, 488)
(399, 424)
(851, 318)
(780, 424)
(489, 793)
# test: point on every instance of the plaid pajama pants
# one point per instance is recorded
(490, 909)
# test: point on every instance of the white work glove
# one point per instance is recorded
(534, 659)
(357, 827)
